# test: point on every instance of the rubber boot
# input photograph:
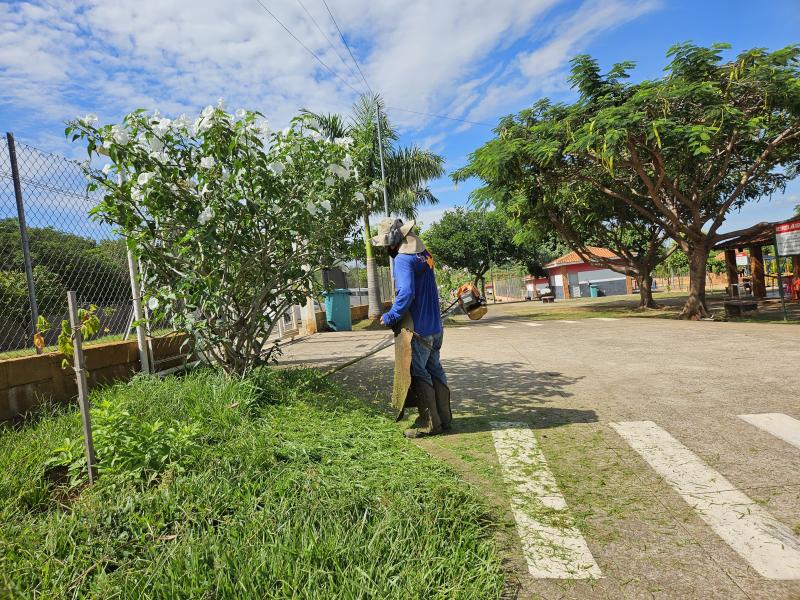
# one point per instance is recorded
(443, 403)
(429, 413)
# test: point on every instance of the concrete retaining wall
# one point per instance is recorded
(26, 381)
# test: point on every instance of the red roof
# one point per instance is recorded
(573, 259)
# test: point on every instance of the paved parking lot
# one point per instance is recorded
(626, 458)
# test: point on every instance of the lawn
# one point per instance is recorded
(269, 487)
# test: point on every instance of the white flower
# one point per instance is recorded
(208, 162)
(120, 135)
(311, 207)
(241, 113)
(359, 196)
(107, 144)
(162, 126)
(143, 178)
(136, 194)
(221, 103)
(182, 122)
(204, 190)
(329, 181)
(343, 141)
(276, 167)
(206, 215)
(347, 162)
(325, 205)
(207, 111)
(89, 119)
(152, 303)
(153, 143)
(263, 126)
(106, 169)
(313, 123)
(339, 171)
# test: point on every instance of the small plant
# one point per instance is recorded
(90, 325)
(127, 448)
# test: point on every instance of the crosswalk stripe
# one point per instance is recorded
(533, 324)
(602, 319)
(778, 424)
(552, 545)
(497, 326)
(765, 543)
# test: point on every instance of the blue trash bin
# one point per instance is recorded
(594, 291)
(337, 310)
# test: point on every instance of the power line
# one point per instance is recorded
(327, 39)
(309, 50)
(417, 112)
(355, 62)
(346, 45)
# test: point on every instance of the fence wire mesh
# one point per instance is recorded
(68, 251)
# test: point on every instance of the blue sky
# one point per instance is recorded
(470, 59)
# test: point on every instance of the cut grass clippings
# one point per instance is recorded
(280, 494)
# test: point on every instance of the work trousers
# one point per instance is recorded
(425, 362)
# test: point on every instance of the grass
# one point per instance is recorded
(287, 489)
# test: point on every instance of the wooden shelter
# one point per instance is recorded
(758, 236)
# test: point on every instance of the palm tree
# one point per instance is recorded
(407, 170)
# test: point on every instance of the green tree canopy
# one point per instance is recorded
(681, 150)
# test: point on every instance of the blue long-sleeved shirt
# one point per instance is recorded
(417, 292)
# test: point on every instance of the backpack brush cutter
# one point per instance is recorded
(468, 299)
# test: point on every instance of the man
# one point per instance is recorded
(416, 310)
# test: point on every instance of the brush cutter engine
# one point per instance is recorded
(471, 301)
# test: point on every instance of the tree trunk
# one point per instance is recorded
(645, 283)
(695, 307)
(375, 309)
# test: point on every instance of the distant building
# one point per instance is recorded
(570, 276)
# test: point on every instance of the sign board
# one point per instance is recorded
(741, 259)
(787, 238)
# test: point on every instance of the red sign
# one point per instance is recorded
(787, 238)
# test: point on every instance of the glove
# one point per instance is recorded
(396, 329)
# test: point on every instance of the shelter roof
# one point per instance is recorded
(572, 258)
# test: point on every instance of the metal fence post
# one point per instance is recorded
(138, 313)
(23, 234)
(83, 388)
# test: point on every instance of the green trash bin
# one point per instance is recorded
(337, 310)
(594, 291)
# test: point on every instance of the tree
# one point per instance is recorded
(580, 215)
(407, 169)
(471, 240)
(232, 222)
(682, 150)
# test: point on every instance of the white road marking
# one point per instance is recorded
(778, 424)
(533, 324)
(563, 321)
(765, 543)
(497, 326)
(602, 319)
(552, 545)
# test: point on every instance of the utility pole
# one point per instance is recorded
(385, 193)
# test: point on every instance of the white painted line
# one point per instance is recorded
(533, 324)
(563, 321)
(497, 326)
(602, 319)
(553, 546)
(765, 543)
(778, 424)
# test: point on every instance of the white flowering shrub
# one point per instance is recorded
(232, 221)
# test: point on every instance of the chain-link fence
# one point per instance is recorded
(48, 245)
(356, 278)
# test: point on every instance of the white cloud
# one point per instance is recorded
(58, 60)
